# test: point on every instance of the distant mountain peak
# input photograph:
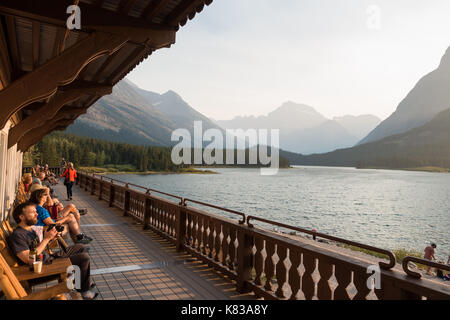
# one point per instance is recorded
(445, 61)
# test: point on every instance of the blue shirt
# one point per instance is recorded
(42, 215)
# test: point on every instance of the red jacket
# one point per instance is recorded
(70, 173)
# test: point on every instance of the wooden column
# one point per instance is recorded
(180, 224)
(112, 192)
(127, 202)
(147, 206)
(244, 261)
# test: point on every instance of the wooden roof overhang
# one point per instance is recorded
(50, 75)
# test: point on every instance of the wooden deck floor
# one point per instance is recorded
(130, 263)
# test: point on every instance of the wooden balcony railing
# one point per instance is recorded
(268, 264)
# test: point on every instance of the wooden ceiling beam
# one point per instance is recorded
(5, 60)
(126, 5)
(13, 46)
(54, 12)
(36, 42)
(134, 58)
(61, 70)
(153, 8)
(182, 11)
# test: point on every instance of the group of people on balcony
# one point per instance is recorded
(37, 210)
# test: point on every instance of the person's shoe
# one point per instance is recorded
(89, 295)
(83, 211)
(83, 239)
(70, 198)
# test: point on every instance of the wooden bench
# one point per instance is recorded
(13, 290)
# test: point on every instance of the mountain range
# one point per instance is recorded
(417, 134)
(429, 97)
(306, 131)
(136, 116)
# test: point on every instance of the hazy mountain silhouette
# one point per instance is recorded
(430, 96)
(306, 131)
(427, 145)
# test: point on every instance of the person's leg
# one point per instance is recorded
(71, 209)
(70, 189)
(68, 192)
(74, 228)
(80, 258)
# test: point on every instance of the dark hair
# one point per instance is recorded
(36, 195)
(433, 245)
(19, 210)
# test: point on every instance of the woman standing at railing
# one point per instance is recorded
(69, 178)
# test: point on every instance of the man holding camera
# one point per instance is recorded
(24, 239)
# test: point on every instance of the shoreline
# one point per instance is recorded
(106, 171)
(419, 169)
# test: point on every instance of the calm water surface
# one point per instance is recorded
(390, 209)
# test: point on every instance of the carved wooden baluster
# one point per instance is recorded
(259, 260)
(294, 275)
(360, 281)
(281, 271)
(211, 238)
(226, 232)
(323, 287)
(165, 227)
(158, 214)
(217, 241)
(269, 268)
(232, 246)
(343, 277)
(308, 285)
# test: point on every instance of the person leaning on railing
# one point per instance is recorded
(69, 178)
(39, 196)
(24, 238)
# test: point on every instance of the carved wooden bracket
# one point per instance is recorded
(38, 133)
(43, 82)
(49, 110)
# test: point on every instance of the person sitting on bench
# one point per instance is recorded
(39, 197)
(23, 239)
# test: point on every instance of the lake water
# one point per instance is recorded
(384, 208)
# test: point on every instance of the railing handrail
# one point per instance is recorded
(426, 262)
(219, 208)
(387, 266)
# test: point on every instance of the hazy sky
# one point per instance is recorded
(247, 57)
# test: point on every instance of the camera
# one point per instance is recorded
(58, 228)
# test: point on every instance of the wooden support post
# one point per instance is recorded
(180, 228)
(147, 213)
(112, 192)
(244, 261)
(100, 188)
(93, 186)
(127, 203)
